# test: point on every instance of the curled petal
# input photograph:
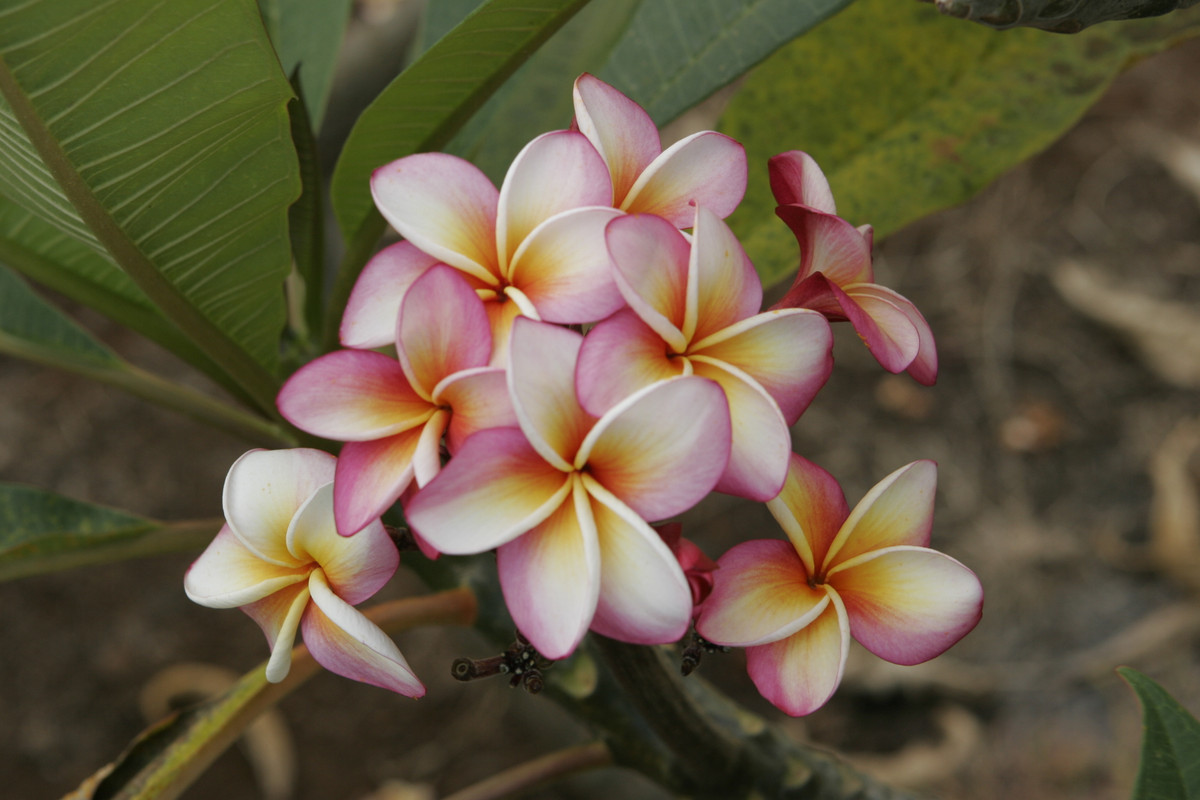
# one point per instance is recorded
(760, 594)
(371, 476)
(879, 302)
(445, 206)
(810, 509)
(551, 576)
(346, 643)
(620, 130)
(908, 604)
(374, 305)
(478, 399)
(443, 329)
(263, 491)
(829, 245)
(621, 355)
(228, 574)
(800, 673)
(650, 264)
(502, 312)
(541, 380)
(727, 287)
(887, 331)
(279, 616)
(705, 169)
(797, 180)
(897, 511)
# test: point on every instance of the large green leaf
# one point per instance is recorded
(1071, 16)
(1170, 764)
(901, 135)
(307, 36)
(157, 134)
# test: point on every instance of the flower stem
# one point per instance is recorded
(538, 771)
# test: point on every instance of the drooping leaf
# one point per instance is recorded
(901, 135)
(307, 36)
(1058, 16)
(1170, 762)
(157, 134)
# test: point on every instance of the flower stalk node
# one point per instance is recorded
(694, 651)
(521, 660)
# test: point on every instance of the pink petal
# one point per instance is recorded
(923, 366)
(501, 311)
(369, 320)
(346, 643)
(562, 267)
(352, 396)
(650, 265)
(800, 673)
(886, 330)
(814, 292)
(908, 604)
(478, 399)
(551, 576)
(555, 172)
(727, 287)
(619, 356)
(356, 566)
(445, 206)
(427, 460)
(829, 245)
(263, 491)
(662, 449)
(541, 380)
(797, 180)
(279, 616)
(495, 488)
(370, 478)
(897, 511)
(789, 352)
(761, 442)
(228, 574)
(443, 329)
(644, 596)
(810, 509)
(705, 169)
(760, 594)
(619, 129)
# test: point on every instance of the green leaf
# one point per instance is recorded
(1071, 16)
(44, 532)
(1170, 763)
(307, 36)
(901, 135)
(157, 135)
(27, 320)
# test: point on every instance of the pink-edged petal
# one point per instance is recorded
(478, 399)
(897, 511)
(369, 320)
(727, 287)
(760, 594)
(494, 489)
(886, 330)
(644, 596)
(789, 352)
(797, 180)
(621, 355)
(370, 478)
(228, 574)
(761, 442)
(352, 396)
(562, 267)
(346, 643)
(908, 604)
(814, 292)
(882, 303)
(650, 266)
(800, 673)
(541, 380)
(555, 172)
(443, 329)
(620, 130)
(357, 566)
(662, 449)
(810, 509)
(551, 576)
(445, 206)
(263, 491)
(829, 245)
(279, 616)
(705, 169)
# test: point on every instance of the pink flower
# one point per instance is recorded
(565, 497)
(866, 573)
(692, 306)
(279, 558)
(836, 275)
(393, 413)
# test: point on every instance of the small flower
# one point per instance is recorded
(280, 559)
(836, 275)
(866, 573)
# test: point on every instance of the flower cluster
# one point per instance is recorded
(549, 368)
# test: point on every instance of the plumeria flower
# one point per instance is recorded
(280, 559)
(692, 310)
(565, 497)
(533, 248)
(697, 567)
(836, 275)
(706, 168)
(866, 573)
(393, 413)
